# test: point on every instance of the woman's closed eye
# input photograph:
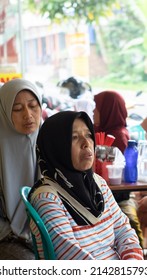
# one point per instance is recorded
(19, 107)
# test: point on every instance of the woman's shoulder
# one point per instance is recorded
(102, 184)
(41, 187)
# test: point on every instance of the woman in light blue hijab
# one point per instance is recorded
(20, 119)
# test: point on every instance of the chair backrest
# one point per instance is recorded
(32, 214)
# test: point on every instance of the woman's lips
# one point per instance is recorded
(87, 155)
(28, 124)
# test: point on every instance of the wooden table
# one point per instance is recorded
(133, 187)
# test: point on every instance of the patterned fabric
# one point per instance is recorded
(110, 238)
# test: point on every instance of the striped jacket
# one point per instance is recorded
(110, 238)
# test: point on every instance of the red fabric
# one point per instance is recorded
(113, 114)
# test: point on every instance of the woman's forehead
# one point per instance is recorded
(79, 124)
(25, 94)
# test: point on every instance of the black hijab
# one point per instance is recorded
(54, 156)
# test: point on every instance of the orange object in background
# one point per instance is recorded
(5, 77)
(101, 138)
(101, 169)
(79, 51)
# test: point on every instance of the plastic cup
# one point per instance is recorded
(115, 174)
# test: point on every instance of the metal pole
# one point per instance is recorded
(21, 38)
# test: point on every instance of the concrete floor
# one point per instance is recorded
(15, 250)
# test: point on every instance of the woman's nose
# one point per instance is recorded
(85, 142)
(27, 113)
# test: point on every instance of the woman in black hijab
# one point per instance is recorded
(75, 204)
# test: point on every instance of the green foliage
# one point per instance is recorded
(109, 82)
(124, 40)
(123, 35)
(57, 10)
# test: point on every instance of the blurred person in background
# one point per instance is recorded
(142, 210)
(81, 95)
(110, 116)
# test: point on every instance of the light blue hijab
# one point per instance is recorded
(17, 161)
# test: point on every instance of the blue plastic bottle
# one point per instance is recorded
(131, 158)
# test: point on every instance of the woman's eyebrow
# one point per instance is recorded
(83, 129)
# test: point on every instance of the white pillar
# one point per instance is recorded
(21, 38)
